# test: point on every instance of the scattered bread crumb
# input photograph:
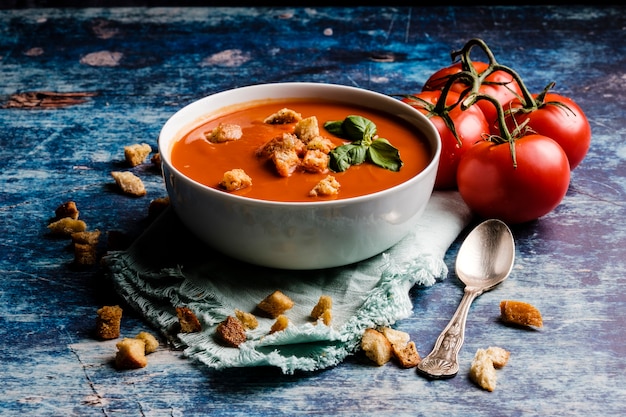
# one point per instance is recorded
(129, 183)
(403, 349)
(156, 160)
(67, 209)
(280, 324)
(275, 304)
(151, 342)
(248, 320)
(520, 313)
(482, 371)
(108, 322)
(158, 206)
(231, 331)
(85, 247)
(376, 346)
(131, 354)
(188, 321)
(499, 356)
(235, 179)
(137, 153)
(323, 309)
(66, 226)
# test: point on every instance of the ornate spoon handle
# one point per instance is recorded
(443, 362)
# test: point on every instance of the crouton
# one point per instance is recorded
(248, 320)
(499, 356)
(280, 324)
(321, 143)
(315, 161)
(235, 179)
(85, 247)
(326, 187)
(283, 116)
(224, 132)
(403, 349)
(131, 354)
(67, 209)
(157, 206)
(275, 304)
(376, 346)
(108, 322)
(284, 142)
(286, 162)
(482, 371)
(129, 183)
(66, 226)
(307, 129)
(188, 321)
(520, 313)
(231, 332)
(137, 153)
(151, 343)
(322, 310)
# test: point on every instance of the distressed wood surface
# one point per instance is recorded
(112, 77)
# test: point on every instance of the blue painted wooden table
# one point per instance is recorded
(137, 66)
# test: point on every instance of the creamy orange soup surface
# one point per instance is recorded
(206, 162)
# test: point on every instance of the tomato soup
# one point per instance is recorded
(206, 162)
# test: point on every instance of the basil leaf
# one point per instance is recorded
(335, 127)
(359, 128)
(384, 154)
(342, 157)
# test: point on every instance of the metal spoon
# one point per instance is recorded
(485, 259)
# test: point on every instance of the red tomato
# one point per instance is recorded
(493, 187)
(500, 85)
(470, 125)
(568, 126)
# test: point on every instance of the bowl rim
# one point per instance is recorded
(165, 157)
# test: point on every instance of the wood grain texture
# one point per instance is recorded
(145, 63)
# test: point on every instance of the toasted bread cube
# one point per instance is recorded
(224, 132)
(85, 254)
(67, 209)
(324, 305)
(231, 332)
(520, 313)
(282, 143)
(482, 371)
(315, 161)
(131, 354)
(408, 356)
(498, 355)
(321, 143)
(188, 321)
(67, 226)
(137, 153)
(129, 183)
(283, 116)
(235, 179)
(248, 320)
(86, 238)
(286, 162)
(280, 324)
(376, 346)
(326, 187)
(275, 304)
(151, 343)
(396, 337)
(158, 206)
(307, 129)
(108, 321)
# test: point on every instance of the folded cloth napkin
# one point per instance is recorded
(167, 267)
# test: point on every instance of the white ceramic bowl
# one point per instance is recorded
(297, 235)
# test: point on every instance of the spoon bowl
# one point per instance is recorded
(485, 259)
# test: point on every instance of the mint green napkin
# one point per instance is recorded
(168, 267)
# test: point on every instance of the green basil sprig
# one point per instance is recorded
(365, 145)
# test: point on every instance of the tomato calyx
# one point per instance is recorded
(440, 108)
